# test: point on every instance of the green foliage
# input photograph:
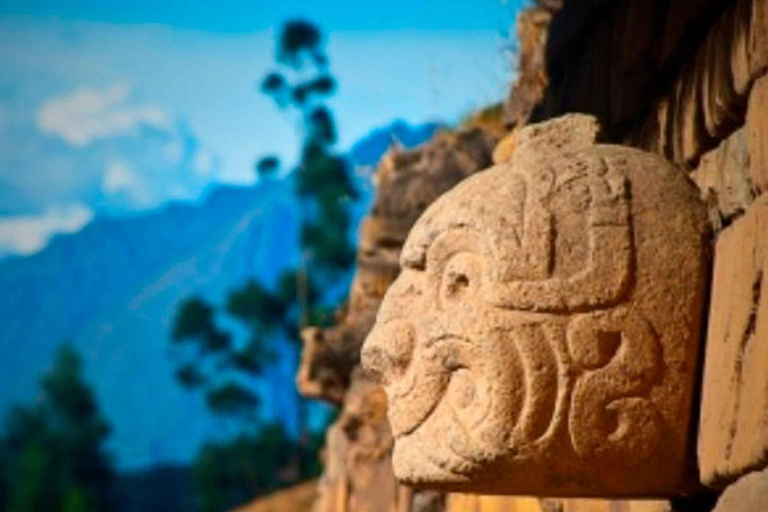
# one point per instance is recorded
(300, 39)
(210, 354)
(267, 166)
(190, 376)
(257, 307)
(5, 474)
(33, 468)
(195, 322)
(322, 177)
(231, 473)
(232, 399)
(75, 500)
(263, 458)
(210, 360)
(52, 453)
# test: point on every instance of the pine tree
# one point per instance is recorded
(53, 451)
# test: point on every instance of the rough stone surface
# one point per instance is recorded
(706, 101)
(528, 90)
(357, 472)
(757, 127)
(748, 494)
(741, 53)
(296, 499)
(542, 336)
(616, 59)
(758, 64)
(723, 176)
(504, 150)
(480, 503)
(670, 76)
(577, 505)
(733, 433)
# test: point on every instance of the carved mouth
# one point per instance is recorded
(417, 405)
(420, 457)
(414, 398)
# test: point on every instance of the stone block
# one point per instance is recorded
(690, 137)
(758, 54)
(298, 497)
(479, 503)
(720, 101)
(723, 176)
(748, 494)
(707, 99)
(733, 432)
(587, 505)
(740, 47)
(653, 135)
(542, 336)
(757, 127)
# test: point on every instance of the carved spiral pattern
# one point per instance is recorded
(611, 417)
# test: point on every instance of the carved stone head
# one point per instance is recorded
(542, 335)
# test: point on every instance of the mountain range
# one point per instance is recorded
(112, 289)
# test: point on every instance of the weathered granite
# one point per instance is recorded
(532, 28)
(723, 176)
(542, 336)
(615, 59)
(748, 494)
(707, 100)
(757, 129)
(733, 432)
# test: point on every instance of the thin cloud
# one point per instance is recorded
(121, 178)
(87, 114)
(27, 234)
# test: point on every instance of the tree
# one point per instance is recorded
(209, 359)
(53, 451)
(223, 364)
(233, 472)
(303, 84)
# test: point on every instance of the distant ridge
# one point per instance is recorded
(112, 288)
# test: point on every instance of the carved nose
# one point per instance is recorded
(387, 351)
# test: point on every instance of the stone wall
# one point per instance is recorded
(685, 79)
(688, 81)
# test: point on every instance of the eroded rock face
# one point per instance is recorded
(542, 335)
(528, 90)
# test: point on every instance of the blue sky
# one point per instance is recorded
(117, 107)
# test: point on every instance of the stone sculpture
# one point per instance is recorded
(542, 336)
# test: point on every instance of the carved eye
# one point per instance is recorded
(460, 278)
(456, 282)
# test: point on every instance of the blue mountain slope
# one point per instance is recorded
(112, 289)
